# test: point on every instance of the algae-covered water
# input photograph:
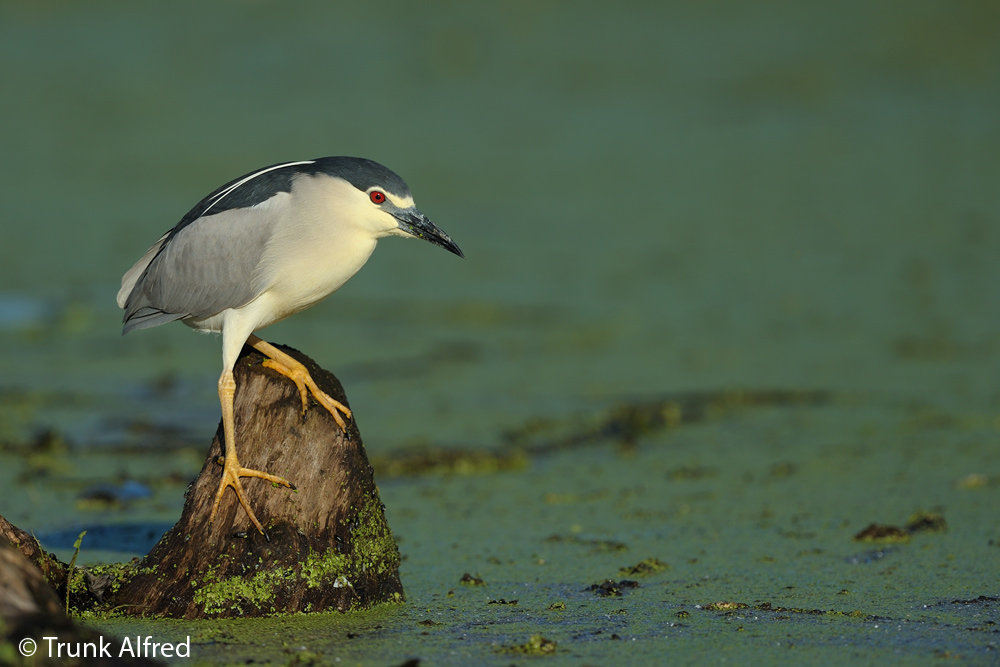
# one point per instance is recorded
(730, 297)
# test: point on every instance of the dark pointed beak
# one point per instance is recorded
(416, 224)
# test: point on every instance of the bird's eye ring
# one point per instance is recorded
(377, 197)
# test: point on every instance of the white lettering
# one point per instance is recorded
(134, 647)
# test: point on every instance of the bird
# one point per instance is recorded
(260, 248)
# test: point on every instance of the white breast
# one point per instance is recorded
(314, 250)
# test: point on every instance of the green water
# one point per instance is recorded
(653, 198)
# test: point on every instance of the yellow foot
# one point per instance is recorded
(297, 373)
(231, 473)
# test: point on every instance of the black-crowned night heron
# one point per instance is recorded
(260, 248)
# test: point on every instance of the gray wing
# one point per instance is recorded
(199, 269)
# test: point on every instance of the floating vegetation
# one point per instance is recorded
(722, 606)
(447, 461)
(612, 589)
(689, 473)
(625, 423)
(930, 522)
(537, 645)
(468, 580)
(596, 545)
(729, 607)
(644, 568)
(976, 480)
(782, 470)
(875, 532)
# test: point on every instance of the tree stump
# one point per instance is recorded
(327, 544)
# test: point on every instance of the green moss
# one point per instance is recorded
(322, 569)
(374, 552)
(234, 592)
(374, 547)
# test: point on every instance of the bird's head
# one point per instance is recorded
(381, 201)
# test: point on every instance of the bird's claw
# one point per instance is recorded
(306, 385)
(231, 473)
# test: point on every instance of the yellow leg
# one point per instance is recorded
(297, 373)
(231, 469)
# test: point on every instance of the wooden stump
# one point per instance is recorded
(327, 544)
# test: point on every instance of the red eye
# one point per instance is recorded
(377, 197)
